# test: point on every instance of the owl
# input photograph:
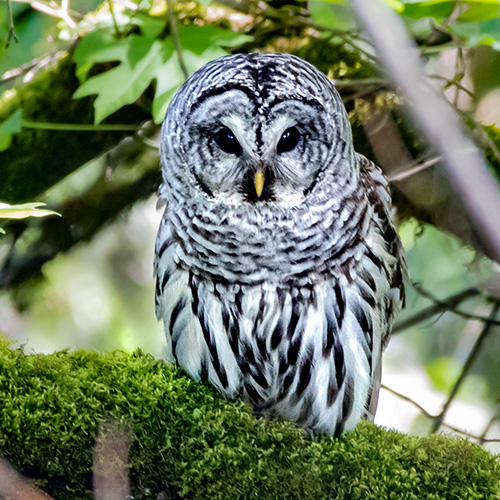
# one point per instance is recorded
(278, 268)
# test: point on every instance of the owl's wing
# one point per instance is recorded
(391, 259)
(379, 195)
(193, 318)
(172, 293)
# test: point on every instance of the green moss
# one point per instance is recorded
(189, 440)
(38, 159)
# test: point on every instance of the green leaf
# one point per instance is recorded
(22, 211)
(443, 372)
(333, 15)
(440, 9)
(437, 9)
(9, 127)
(141, 60)
(144, 60)
(151, 27)
(480, 33)
(93, 48)
(480, 12)
(336, 2)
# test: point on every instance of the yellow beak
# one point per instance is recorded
(259, 182)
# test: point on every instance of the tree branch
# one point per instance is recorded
(438, 420)
(466, 166)
(439, 306)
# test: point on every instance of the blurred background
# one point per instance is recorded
(84, 87)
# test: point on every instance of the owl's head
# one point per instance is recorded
(257, 128)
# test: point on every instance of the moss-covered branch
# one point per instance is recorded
(38, 159)
(188, 441)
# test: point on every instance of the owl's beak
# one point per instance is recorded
(258, 181)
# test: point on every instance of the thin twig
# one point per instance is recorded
(399, 176)
(438, 420)
(408, 400)
(429, 415)
(493, 419)
(53, 10)
(31, 66)
(12, 30)
(439, 306)
(459, 73)
(174, 33)
(115, 24)
(360, 82)
(453, 309)
(78, 127)
(449, 83)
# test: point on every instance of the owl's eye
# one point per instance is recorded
(288, 140)
(227, 141)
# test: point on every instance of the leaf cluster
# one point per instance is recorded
(189, 442)
(143, 58)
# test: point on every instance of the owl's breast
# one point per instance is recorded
(252, 244)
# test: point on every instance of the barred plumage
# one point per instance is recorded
(278, 268)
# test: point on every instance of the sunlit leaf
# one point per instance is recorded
(480, 33)
(9, 127)
(141, 61)
(443, 372)
(440, 9)
(480, 12)
(22, 211)
(336, 2)
(333, 15)
(93, 48)
(431, 8)
(144, 60)
(395, 4)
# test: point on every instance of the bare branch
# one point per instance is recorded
(466, 368)
(424, 412)
(439, 306)
(408, 400)
(399, 176)
(466, 167)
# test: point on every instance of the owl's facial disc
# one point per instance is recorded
(242, 150)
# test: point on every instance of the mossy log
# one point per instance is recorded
(187, 441)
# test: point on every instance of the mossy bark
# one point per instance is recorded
(38, 159)
(189, 442)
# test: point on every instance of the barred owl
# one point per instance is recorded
(278, 268)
